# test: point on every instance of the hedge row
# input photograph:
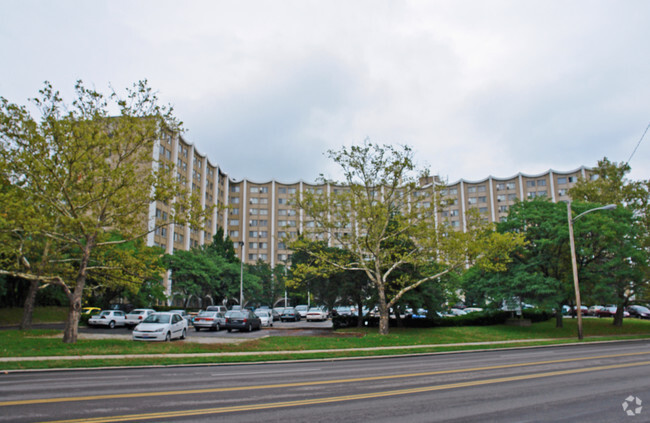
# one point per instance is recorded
(482, 318)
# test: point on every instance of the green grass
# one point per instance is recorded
(13, 316)
(16, 343)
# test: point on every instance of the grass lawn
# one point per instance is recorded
(16, 343)
(12, 316)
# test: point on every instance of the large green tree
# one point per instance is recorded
(80, 171)
(386, 219)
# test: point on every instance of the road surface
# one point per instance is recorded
(583, 383)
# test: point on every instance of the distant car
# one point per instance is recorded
(638, 311)
(213, 320)
(593, 310)
(220, 309)
(277, 312)
(265, 316)
(123, 307)
(472, 309)
(137, 316)
(302, 309)
(610, 311)
(290, 313)
(456, 312)
(90, 310)
(161, 327)
(343, 311)
(183, 314)
(242, 320)
(108, 318)
(316, 313)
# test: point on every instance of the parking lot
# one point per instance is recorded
(301, 328)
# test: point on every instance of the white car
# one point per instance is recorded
(265, 316)
(302, 309)
(137, 316)
(316, 313)
(161, 327)
(109, 318)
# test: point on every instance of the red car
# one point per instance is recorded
(610, 311)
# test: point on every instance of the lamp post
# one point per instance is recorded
(574, 263)
(241, 274)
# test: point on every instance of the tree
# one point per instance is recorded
(624, 236)
(85, 173)
(540, 271)
(386, 220)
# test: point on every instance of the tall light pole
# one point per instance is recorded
(241, 274)
(574, 263)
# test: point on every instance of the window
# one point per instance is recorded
(282, 212)
(541, 182)
(252, 257)
(501, 187)
(283, 257)
(562, 191)
(234, 212)
(501, 198)
(503, 209)
(264, 234)
(472, 200)
(512, 197)
(531, 195)
(254, 211)
(482, 199)
(254, 200)
(455, 223)
(453, 191)
(471, 190)
(264, 212)
(482, 209)
(453, 212)
(530, 184)
(234, 188)
(282, 190)
(253, 234)
(234, 222)
(234, 200)
(561, 180)
(481, 188)
(282, 246)
(541, 193)
(573, 179)
(510, 185)
(291, 190)
(253, 223)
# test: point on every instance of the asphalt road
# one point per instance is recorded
(584, 383)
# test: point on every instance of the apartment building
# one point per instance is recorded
(258, 216)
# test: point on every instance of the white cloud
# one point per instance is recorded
(265, 87)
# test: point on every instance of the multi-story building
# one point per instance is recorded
(258, 216)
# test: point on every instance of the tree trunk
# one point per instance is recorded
(559, 320)
(359, 314)
(28, 311)
(384, 312)
(72, 323)
(618, 317)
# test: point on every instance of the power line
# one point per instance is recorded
(639, 143)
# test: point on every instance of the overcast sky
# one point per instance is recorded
(264, 88)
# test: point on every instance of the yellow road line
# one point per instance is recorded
(272, 405)
(298, 384)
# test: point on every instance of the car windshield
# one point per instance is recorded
(137, 312)
(314, 309)
(207, 313)
(157, 318)
(642, 309)
(105, 313)
(235, 313)
(262, 313)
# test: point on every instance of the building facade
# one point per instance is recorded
(259, 217)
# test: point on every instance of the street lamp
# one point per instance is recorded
(574, 264)
(241, 274)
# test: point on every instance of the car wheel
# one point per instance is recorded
(183, 334)
(218, 328)
(111, 325)
(196, 328)
(229, 330)
(168, 337)
(249, 328)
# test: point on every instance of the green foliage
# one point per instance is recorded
(385, 221)
(75, 175)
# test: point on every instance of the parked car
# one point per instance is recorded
(456, 312)
(638, 311)
(220, 309)
(316, 313)
(90, 310)
(302, 309)
(137, 316)
(108, 318)
(610, 311)
(184, 314)
(161, 326)
(123, 307)
(277, 311)
(593, 310)
(343, 311)
(290, 313)
(265, 316)
(213, 320)
(242, 320)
